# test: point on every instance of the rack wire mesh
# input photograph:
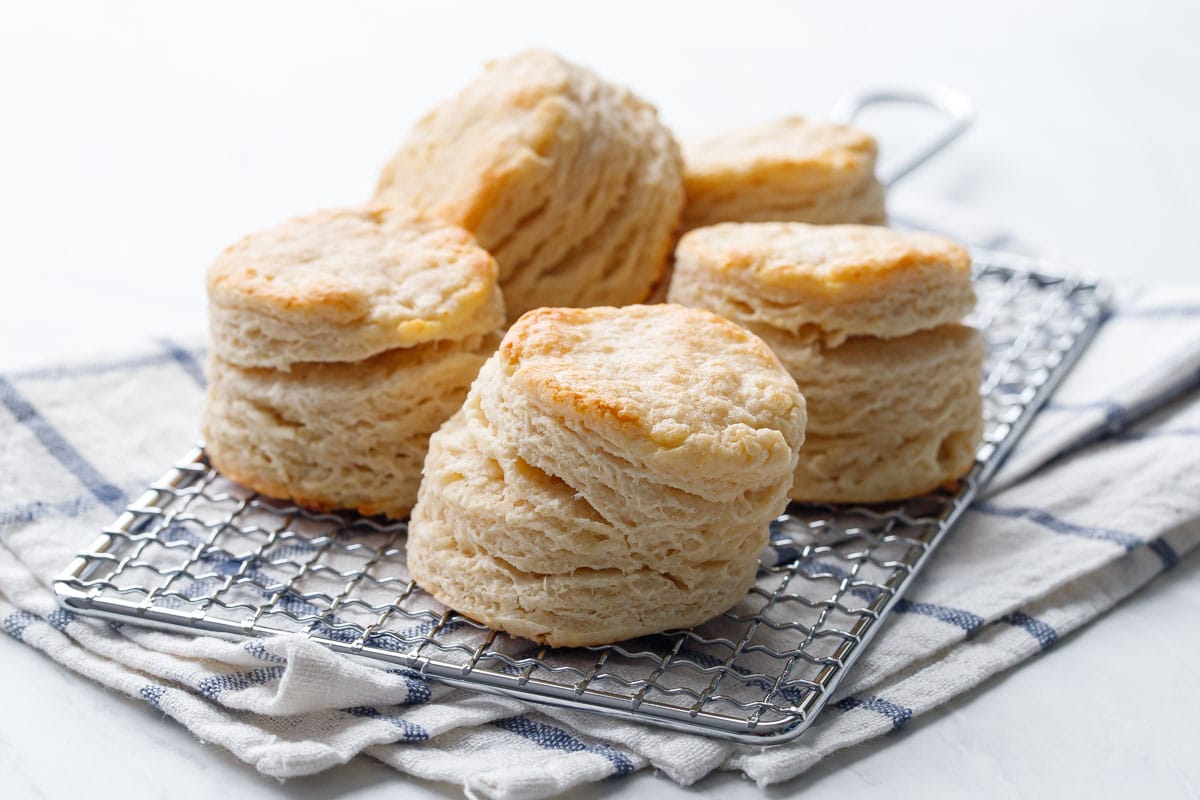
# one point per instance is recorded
(200, 553)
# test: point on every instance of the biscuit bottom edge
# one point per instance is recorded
(833, 472)
(578, 609)
(396, 508)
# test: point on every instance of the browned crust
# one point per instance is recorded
(235, 281)
(779, 151)
(546, 335)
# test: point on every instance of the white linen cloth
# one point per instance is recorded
(1102, 495)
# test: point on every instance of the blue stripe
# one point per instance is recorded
(264, 584)
(1115, 417)
(410, 731)
(31, 512)
(179, 533)
(958, 617)
(824, 569)
(397, 641)
(186, 361)
(1047, 520)
(1162, 548)
(812, 568)
(290, 601)
(553, 738)
(26, 512)
(1113, 411)
(954, 616)
(60, 448)
(968, 621)
(213, 687)
(898, 714)
(256, 648)
(60, 618)
(288, 552)
(152, 693)
(97, 368)
(1046, 636)
(16, 623)
(419, 692)
(1137, 436)
(1118, 416)
(784, 554)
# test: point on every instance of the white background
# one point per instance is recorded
(138, 139)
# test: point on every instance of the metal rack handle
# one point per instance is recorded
(957, 108)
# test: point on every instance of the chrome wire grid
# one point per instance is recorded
(198, 552)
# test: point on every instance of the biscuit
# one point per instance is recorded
(347, 284)
(612, 473)
(787, 169)
(889, 418)
(824, 281)
(341, 434)
(867, 321)
(341, 341)
(572, 183)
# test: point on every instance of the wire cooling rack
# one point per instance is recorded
(198, 552)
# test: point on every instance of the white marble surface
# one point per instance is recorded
(138, 139)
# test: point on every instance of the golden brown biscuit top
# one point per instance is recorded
(460, 156)
(664, 372)
(830, 260)
(803, 154)
(378, 267)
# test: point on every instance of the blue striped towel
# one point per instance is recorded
(1102, 496)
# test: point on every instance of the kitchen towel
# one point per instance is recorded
(1101, 496)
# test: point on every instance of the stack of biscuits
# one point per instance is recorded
(868, 322)
(786, 170)
(612, 473)
(572, 183)
(611, 470)
(341, 342)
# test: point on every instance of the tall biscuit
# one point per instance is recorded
(787, 169)
(867, 321)
(572, 183)
(598, 485)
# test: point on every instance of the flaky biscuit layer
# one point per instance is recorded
(570, 181)
(338, 435)
(824, 281)
(785, 169)
(347, 284)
